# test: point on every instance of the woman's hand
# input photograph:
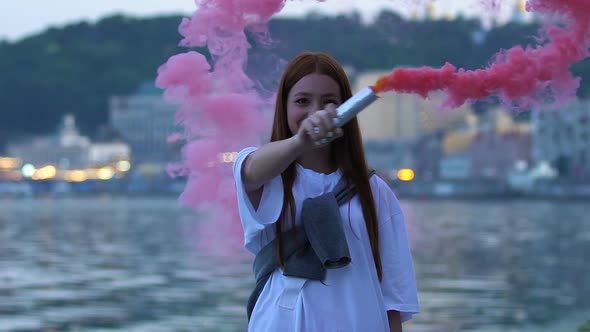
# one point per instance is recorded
(318, 129)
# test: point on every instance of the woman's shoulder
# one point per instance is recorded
(383, 195)
(378, 182)
(246, 151)
(241, 157)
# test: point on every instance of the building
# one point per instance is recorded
(105, 153)
(494, 155)
(145, 121)
(491, 145)
(456, 167)
(402, 116)
(68, 149)
(428, 154)
(562, 137)
(393, 117)
(387, 157)
(404, 130)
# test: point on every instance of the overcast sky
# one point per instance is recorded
(19, 18)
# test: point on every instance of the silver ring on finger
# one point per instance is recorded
(316, 130)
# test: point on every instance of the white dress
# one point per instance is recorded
(350, 298)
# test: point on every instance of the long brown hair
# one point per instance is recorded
(347, 152)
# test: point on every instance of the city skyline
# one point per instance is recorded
(27, 17)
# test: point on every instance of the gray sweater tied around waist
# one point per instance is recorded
(318, 244)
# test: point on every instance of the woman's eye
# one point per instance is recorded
(301, 101)
(332, 101)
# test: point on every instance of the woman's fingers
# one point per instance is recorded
(320, 126)
(331, 109)
(327, 124)
(317, 130)
(333, 113)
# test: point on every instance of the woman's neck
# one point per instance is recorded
(318, 160)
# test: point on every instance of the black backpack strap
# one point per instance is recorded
(345, 191)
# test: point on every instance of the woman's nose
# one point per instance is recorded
(314, 107)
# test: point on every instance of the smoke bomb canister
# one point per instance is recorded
(355, 105)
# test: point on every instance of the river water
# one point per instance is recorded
(135, 264)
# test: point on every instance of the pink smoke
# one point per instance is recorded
(520, 77)
(219, 108)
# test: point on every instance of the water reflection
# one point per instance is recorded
(496, 266)
(131, 265)
(114, 265)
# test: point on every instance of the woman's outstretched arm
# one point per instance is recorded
(273, 158)
(269, 161)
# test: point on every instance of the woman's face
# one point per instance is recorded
(310, 94)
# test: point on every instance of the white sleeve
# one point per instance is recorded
(399, 280)
(268, 211)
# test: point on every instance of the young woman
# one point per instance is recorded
(306, 158)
